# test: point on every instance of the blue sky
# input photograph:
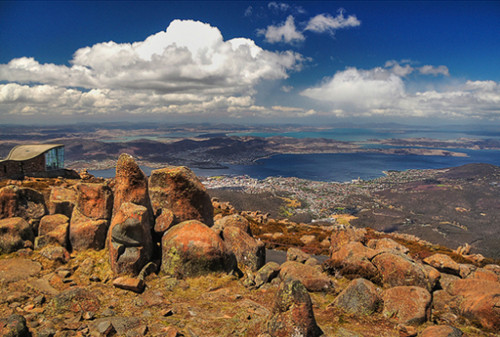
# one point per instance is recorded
(237, 61)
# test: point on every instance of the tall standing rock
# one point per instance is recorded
(131, 184)
(129, 239)
(178, 189)
(293, 313)
(91, 216)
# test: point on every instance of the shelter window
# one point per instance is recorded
(54, 159)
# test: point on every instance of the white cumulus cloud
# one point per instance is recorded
(285, 32)
(382, 91)
(189, 67)
(327, 23)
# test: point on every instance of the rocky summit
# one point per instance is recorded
(139, 256)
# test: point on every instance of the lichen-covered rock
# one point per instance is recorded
(21, 202)
(293, 313)
(15, 233)
(177, 188)
(441, 331)
(408, 304)
(95, 201)
(249, 252)
(191, 248)
(74, 300)
(353, 260)
(62, 200)
(164, 221)
(131, 184)
(341, 236)
(311, 277)
(265, 274)
(296, 254)
(360, 297)
(235, 220)
(386, 245)
(479, 300)
(14, 326)
(87, 233)
(53, 229)
(443, 263)
(129, 239)
(398, 270)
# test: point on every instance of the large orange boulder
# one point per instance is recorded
(443, 263)
(478, 300)
(62, 200)
(360, 297)
(177, 188)
(409, 305)
(387, 245)
(53, 229)
(398, 270)
(95, 201)
(441, 331)
(249, 252)
(353, 260)
(311, 277)
(15, 233)
(191, 248)
(342, 236)
(26, 203)
(293, 312)
(129, 239)
(131, 184)
(86, 233)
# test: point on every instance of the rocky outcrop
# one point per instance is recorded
(90, 218)
(178, 189)
(296, 254)
(386, 245)
(129, 239)
(293, 313)
(15, 233)
(234, 220)
(249, 252)
(311, 277)
(443, 263)
(353, 260)
(360, 297)
(409, 305)
(191, 248)
(398, 270)
(131, 185)
(25, 203)
(265, 274)
(53, 229)
(62, 200)
(344, 235)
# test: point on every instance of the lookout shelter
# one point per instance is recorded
(37, 159)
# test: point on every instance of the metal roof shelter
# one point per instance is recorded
(25, 152)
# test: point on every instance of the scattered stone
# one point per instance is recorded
(386, 245)
(14, 326)
(74, 300)
(312, 262)
(191, 248)
(129, 239)
(443, 263)
(55, 253)
(360, 297)
(129, 283)
(53, 229)
(166, 312)
(352, 260)
(398, 270)
(406, 330)
(249, 252)
(15, 233)
(234, 220)
(312, 278)
(265, 274)
(296, 254)
(441, 331)
(408, 304)
(307, 239)
(293, 313)
(177, 188)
